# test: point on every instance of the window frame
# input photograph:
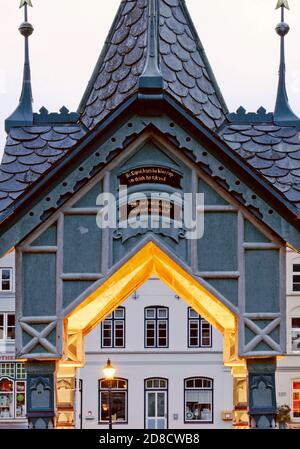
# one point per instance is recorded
(115, 423)
(10, 279)
(212, 389)
(291, 333)
(112, 320)
(5, 316)
(166, 389)
(156, 320)
(295, 419)
(199, 320)
(295, 273)
(11, 372)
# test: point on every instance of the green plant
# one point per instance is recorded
(284, 414)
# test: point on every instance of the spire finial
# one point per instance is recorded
(23, 115)
(283, 112)
(280, 4)
(151, 80)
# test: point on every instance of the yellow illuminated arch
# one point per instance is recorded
(152, 261)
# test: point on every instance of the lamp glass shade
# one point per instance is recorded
(109, 371)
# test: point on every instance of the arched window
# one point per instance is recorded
(113, 330)
(119, 400)
(156, 327)
(156, 403)
(198, 400)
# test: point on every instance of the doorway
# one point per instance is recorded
(156, 404)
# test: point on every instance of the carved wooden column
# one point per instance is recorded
(240, 397)
(41, 394)
(66, 392)
(262, 393)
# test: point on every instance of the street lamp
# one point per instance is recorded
(109, 374)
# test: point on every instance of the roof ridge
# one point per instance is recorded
(100, 60)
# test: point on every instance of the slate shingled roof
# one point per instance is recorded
(183, 64)
(29, 153)
(271, 149)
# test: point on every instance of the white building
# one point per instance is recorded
(170, 371)
(12, 373)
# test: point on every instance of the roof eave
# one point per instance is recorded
(166, 105)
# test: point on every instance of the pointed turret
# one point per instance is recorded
(283, 113)
(23, 115)
(153, 48)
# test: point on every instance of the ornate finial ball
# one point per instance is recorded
(282, 29)
(26, 29)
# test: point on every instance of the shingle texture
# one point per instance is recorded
(272, 150)
(186, 72)
(29, 153)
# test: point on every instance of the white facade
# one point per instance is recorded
(175, 363)
(288, 372)
(136, 363)
(12, 373)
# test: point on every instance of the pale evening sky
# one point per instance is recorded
(238, 36)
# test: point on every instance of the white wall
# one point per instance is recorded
(7, 302)
(136, 363)
(289, 367)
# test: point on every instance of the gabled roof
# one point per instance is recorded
(182, 62)
(145, 29)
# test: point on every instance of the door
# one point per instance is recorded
(156, 409)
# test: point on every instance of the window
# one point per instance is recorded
(296, 277)
(7, 370)
(156, 403)
(295, 335)
(113, 330)
(198, 398)
(199, 331)
(119, 398)
(5, 279)
(20, 371)
(156, 327)
(296, 399)
(7, 326)
(12, 391)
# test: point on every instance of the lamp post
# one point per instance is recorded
(109, 374)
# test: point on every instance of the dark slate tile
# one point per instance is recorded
(272, 155)
(267, 128)
(185, 79)
(4, 177)
(34, 144)
(266, 139)
(52, 136)
(62, 144)
(275, 172)
(20, 134)
(285, 132)
(252, 132)
(236, 137)
(4, 203)
(239, 127)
